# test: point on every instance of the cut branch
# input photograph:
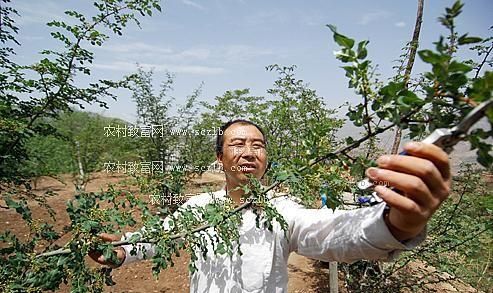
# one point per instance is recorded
(409, 67)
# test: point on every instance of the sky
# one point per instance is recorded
(226, 44)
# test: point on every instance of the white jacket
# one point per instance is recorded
(343, 235)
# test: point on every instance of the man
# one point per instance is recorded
(376, 232)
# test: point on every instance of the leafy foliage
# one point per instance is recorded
(440, 98)
(305, 155)
(80, 133)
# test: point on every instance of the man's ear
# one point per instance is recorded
(219, 159)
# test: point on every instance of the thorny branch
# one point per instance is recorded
(247, 204)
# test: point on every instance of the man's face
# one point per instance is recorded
(243, 153)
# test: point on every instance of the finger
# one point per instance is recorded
(422, 168)
(102, 260)
(109, 237)
(397, 201)
(412, 186)
(97, 256)
(433, 153)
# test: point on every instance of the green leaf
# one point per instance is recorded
(349, 70)
(157, 6)
(392, 89)
(456, 8)
(463, 40)
(429, 56)
(221, 249)
(332, 27)
(409, 99)
(489, 114)
(459, 67)
(341, 40)
(362, 52)
(11, 203)
(345, 55)
(455, 81)
(282, 176)
(484, 158)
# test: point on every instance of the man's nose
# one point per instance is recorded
(245, 151)
(249, 152)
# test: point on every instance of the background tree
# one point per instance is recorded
(50, 84)
(29, 96)
(153, 110)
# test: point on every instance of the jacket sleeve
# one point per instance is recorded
(145, 250)
(342, 235)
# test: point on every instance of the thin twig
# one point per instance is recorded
(480, 66)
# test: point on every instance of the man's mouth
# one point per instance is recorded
(248, 167)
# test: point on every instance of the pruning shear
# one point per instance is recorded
(446, 138)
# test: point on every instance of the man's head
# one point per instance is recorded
(241, 148)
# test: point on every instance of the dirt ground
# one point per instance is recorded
(305, 275)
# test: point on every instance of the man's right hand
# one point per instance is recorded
(98, 257)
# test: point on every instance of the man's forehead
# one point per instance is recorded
(243, 131)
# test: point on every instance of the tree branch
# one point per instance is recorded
(50, 98)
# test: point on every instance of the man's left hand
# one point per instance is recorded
(423, 180)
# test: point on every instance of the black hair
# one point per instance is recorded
(220, 134)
